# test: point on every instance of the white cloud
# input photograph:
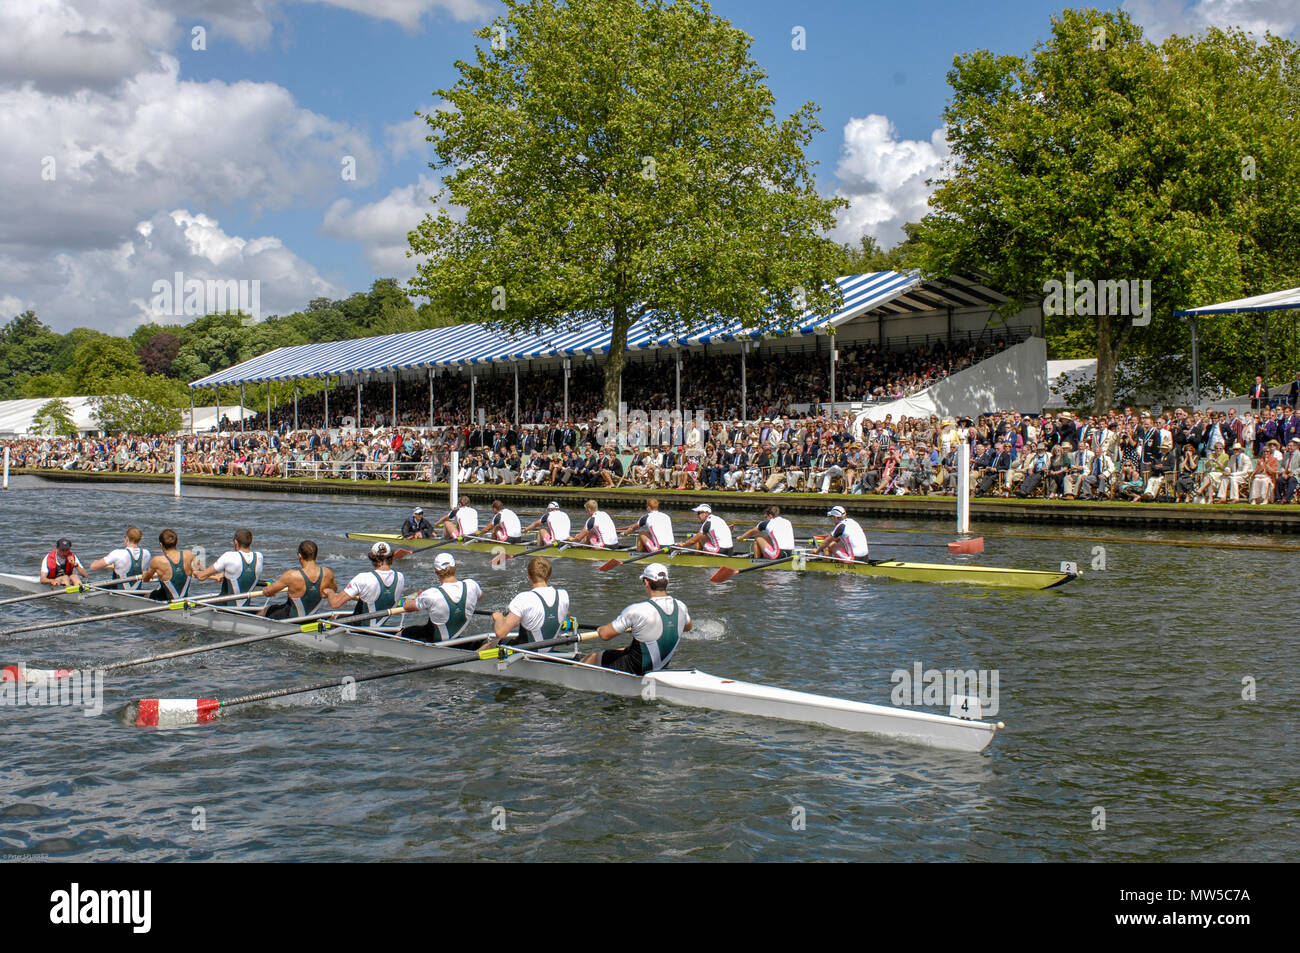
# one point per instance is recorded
(1161, 18)
(381, 227)
(409, 13)
(112, 288)
(884, 179)
(157, 142)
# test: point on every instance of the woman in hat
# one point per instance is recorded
(1263, 488)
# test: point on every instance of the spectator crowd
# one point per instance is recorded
(1197, 457)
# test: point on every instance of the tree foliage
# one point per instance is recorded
(54, 418)
(1111, 158)
(617, 159)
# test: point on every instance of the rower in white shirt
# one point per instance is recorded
(379, 588)
(462, 521)
(846, 541)
(654, 530)
(551, 526)
(714, 535)
(450, 604)
(504, 524)
(538, 613)
(131, 560)
(598, 530)
(773, 536)
(238, 568)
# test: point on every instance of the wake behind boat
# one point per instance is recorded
(692, 689)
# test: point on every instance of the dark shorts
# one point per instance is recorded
(622, 660)
(281, 610)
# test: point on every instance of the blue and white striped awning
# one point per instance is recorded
(464, 344)
(1273, 301)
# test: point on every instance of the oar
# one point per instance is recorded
(611, 563)
(175, 712)
(726, 572)
(403, 553)
(69, 590)
(127, 613)
(973, 546)
(478, 611)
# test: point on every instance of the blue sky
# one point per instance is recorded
(224, 162)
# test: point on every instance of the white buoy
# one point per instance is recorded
(6, 481)
(454, 479)
(963, 487)
(176, 471)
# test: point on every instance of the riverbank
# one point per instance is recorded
(1227, 518)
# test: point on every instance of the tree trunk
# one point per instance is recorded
(1105, 391)
(617, 354)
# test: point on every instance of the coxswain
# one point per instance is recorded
(598, 530)
(538, 613)
(129, 561)
(416, 526)
(773, 537)
(656, 625)
(238, 568)
(504, 525)
(552, 525)
(450, 604)
(654, 530)
(714, 535)
(846, 541)
(377, 589)
(61, 567)
(303, 586)
(462, 521)
(173, 568)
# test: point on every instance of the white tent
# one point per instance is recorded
(206, 418)
(16, 416)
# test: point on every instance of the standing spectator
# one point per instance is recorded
(1258, 393)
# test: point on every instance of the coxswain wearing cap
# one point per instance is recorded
(375, 590)
(450, 604)
(462, 521)
(654, 530)
(538, 612)
(552, 525)
(303, 586)
(773, 537)
(504, 524)
(173, 568)
(238, 568)
(129, 561)
(714, 535)
(598, 530)
(61, 567)
(416, 526)
(656, 625)
(846, 541)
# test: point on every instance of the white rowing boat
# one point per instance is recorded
(692, 689)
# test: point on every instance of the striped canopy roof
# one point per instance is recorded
(464, 344)
(1273, 301)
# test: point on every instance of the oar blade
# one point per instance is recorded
(970, 546)
(609, 564)
(402, 553)
(173, 712)
(723, 574)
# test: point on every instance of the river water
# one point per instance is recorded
(1127, 738)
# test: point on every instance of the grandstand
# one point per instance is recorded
(836, 360)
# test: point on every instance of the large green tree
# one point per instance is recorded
(617, 159)
(1107, 157)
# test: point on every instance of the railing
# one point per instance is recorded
(360, 470)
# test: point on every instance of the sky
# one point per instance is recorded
(142, 138)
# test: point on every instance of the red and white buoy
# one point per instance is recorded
(21, 673)
(176, 712)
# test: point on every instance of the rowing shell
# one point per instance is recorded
(890, 569)
(693, 689)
